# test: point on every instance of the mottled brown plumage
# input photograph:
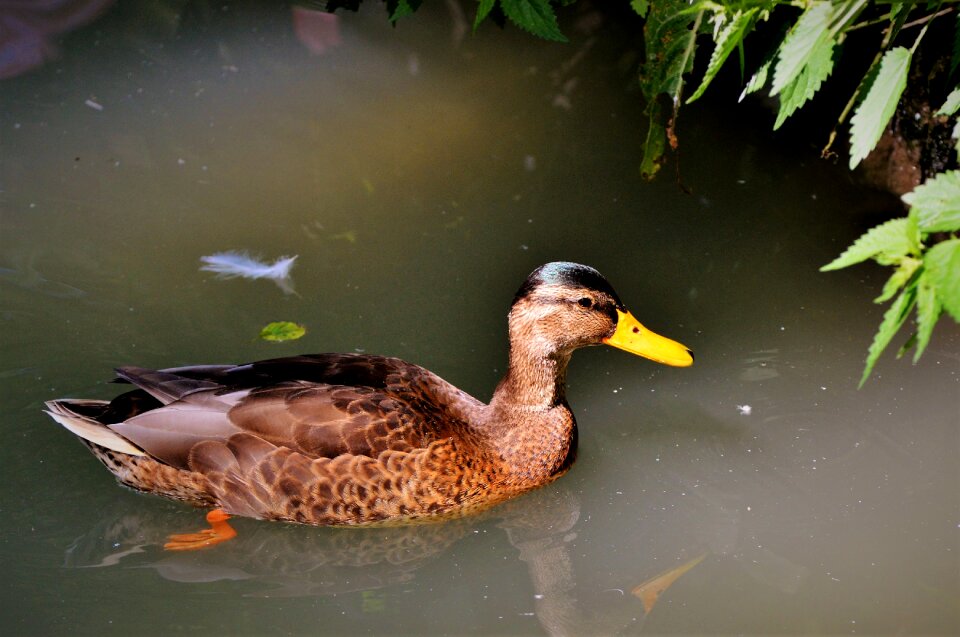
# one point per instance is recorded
(357, 439)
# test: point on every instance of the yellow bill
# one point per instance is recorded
(636, 339)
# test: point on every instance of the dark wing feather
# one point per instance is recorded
(321, 406)
(355, 370)
(164, 386)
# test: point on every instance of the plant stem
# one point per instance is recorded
(929, 18)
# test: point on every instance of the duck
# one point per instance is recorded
(356, 439)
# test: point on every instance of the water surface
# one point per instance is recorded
(420, 175)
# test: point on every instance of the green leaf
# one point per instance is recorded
(670, 33)
(282, 331)
(893, 319)
(887, 243)
(655, 144)
(757, 80)
(730, 36)
(402, 8)
(486, 6)
(898, 279)
(952, 104)
(640, 7)
(807, 83)
(942, 263)
(928, 311)
(810, 33)
(910, 342)
(535, 16)
(876, 109)
(936, 203)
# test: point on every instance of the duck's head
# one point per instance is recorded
(562, 306)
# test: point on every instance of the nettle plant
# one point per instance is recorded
(922, 247)
(926, 278)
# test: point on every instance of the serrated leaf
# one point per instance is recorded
(887, 243)
(640, 7)
(898, 279)
(670, 33)
(729, 37)
(942, 263)
(928, 311)
(807, 35)
(282, 331)
(907, 344)
(535, 16)
(483, 11)
(402, 8)
(807, 83)
(757, 80)
(936, 203)
(893, 319)
(952, 103)
(876, 109)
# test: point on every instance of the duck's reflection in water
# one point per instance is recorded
(702, 538)
(281, 560)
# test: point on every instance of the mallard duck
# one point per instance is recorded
(348, 439)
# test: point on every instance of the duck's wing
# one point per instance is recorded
(321, 406)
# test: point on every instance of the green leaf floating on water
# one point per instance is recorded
(280, 331)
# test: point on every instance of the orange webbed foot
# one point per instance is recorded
(219, 531)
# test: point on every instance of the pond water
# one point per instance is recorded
(420, 173)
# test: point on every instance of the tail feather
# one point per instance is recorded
(88, 428)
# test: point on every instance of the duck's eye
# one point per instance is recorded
(585, 302)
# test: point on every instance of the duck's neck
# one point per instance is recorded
(528, 419)
(534, 381)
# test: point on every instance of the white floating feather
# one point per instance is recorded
(228, 265)
(233, 264)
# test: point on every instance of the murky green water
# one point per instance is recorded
(420, 177)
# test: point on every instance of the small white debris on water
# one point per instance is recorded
(530, 163)
(745, 410)
(97, 106)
